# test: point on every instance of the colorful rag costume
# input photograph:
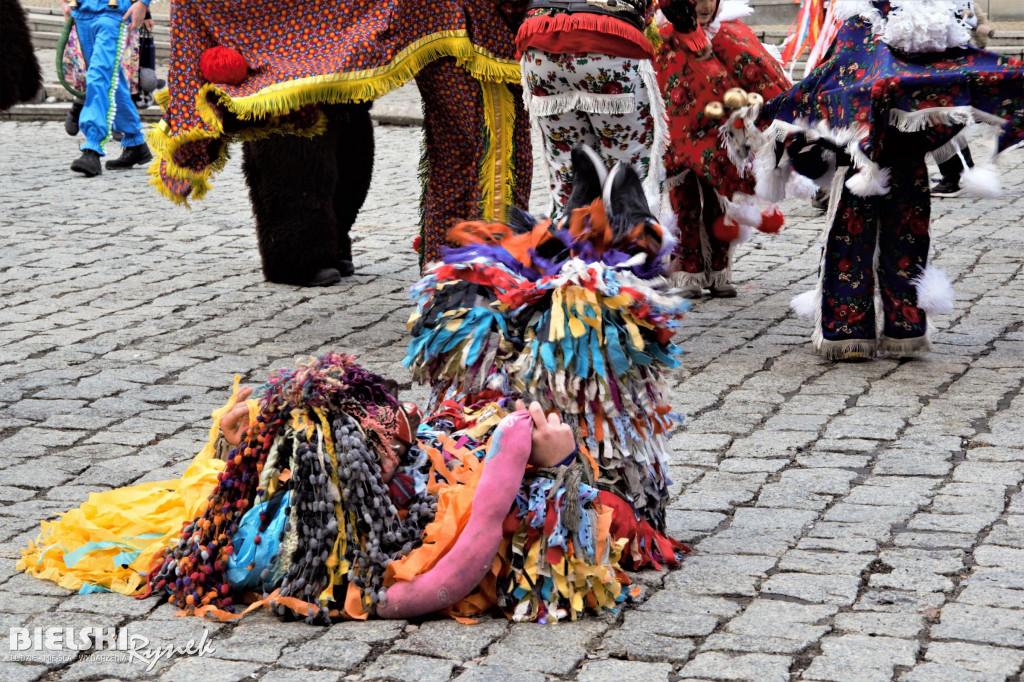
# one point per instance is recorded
(461, 52)
(573, 314)
(588, 79)
(901, 81)
(330, 508)
(712, 186)
(108, 101)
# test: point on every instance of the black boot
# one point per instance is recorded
(88, 164)
(130, 156)
(71, 120)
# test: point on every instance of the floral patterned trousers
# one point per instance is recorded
(609, 103)
(703, 259)
(895, 227)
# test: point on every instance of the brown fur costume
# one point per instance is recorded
(305, 195)
(20, 79)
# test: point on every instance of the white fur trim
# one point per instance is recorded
(934, 291)
(981, 181)
(912, 121)
(743, 213)
(800, 187)
(806, 304)
(902, 348)
(654, 183)
(921, 26)
(746, 232)
(867, 184)
(554, 105)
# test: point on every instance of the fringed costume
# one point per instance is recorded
(711, 183)
(20, 78)
(901, 81)
(588, 79)
(462, 54)
(340, 503)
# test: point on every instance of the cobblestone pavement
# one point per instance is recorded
(850, 521)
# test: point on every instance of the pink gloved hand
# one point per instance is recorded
(464, 566)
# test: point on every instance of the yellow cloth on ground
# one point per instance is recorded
(112, 539)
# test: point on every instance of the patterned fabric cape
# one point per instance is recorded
(301, 55)
(866, 88)
(688, 85)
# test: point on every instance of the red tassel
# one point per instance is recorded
(725, 230)
(223, 65)
(772, 221)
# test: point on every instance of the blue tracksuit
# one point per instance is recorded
(108, 100)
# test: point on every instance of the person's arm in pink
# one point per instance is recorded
(464, 566)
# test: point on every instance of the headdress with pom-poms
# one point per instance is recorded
(574, 314)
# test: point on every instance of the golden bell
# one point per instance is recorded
(735, 98)
(754, 99)
(714, 110)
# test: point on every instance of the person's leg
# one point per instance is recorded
(134, 150)
(453, 132)
(631, 137)
(353, 145)
(846, 329)
(561, 133)
(903, 254)
(292, 182)
(719, 258)
(689, 257)
(100, 38)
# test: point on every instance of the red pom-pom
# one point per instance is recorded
(416, 243)
(772, 221)
(725, 230)
(223, 65)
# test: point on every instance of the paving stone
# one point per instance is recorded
(616, 671)
(718, 666)
(1003, 627)
(821, 589)
(209, 669)
(984, 659)
(938, 672)
(451, 640)
(486, 673)
(901, 625)
(824, 562)
(531, 648)
(326, 653)
(856, 657)
(302, 675)
(647, 647)
(409, 669)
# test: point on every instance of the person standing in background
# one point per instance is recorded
(108, 104)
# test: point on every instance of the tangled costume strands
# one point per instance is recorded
(352, 51)
(305, 485)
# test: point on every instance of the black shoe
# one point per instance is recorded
(947, 188)
(131, 156)
(88, 164)
(71, 120)
(326, 277)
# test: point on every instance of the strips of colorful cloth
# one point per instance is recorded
(313, 52)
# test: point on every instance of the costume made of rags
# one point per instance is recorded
(477, 158)
(711, 186)
(300, 518)
(574, 314)
(901, 81)
(588, 79)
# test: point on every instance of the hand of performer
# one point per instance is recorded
(552, 441)
(136, 14)
(65, 8)
(704, 54)
(236, 420)
(148, 23)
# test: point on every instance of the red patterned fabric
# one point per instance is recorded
(301, 54)
(689, 85)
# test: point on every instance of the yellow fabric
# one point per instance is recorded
(121, 516)
(280, 99)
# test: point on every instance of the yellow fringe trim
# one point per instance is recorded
(498, 163)
(281, 99)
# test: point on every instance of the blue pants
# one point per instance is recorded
(108, 99)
